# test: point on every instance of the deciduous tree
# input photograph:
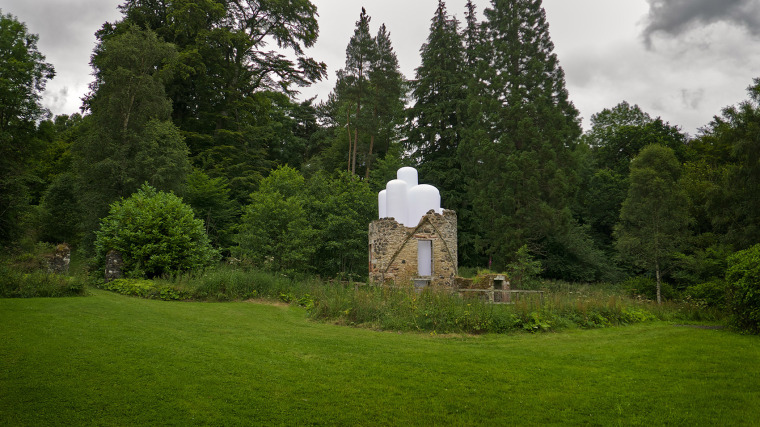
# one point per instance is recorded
(654, 217)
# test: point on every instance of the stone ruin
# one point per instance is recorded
(58, 262)
(414, 241)
(114, 265)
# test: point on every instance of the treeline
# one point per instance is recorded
(194, 98)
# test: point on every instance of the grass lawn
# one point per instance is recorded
(108, 359)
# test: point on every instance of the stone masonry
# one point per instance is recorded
(393, 250)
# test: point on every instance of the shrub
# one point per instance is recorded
(146, 289)
(640, 286)
(708, 294)
(156, 234)
(19, 284)
(743, 276)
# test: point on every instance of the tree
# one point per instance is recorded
(210, 200)
(366, 106)
(129, 138)
(616, 136)
(732, 145)
(339, 208)
(275, 232)
(156, 233)
(23, 75)
(435, 120)
(654, 216)
(230, 87)
(519, 152)
(387, 104)
(352, 87)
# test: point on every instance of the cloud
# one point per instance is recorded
(675, 17)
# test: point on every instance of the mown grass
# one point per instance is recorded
(109, 359)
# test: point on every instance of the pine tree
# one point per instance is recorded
(353, 86)
(366, 107)
(435, 121)
(520, 160)
(387, 92)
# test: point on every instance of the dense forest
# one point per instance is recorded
(190, 98)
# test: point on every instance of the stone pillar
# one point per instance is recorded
(114, 265)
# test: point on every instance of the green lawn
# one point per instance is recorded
(108, 359)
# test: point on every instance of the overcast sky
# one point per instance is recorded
(682, 60)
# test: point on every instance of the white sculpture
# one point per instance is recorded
(407, 201)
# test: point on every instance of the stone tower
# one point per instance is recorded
(414, 241)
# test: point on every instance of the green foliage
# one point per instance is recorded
(654, 217)
(146, 289)
(340, 209)
(275, 232)
(646, 287)
(23, 75)
(61, 214)
(524, 270)
(517, 152)
(709, 294)
(156, 234)
(731, 144)
(18, 282)
(366, 107)
(128, 139)
(743, 276)
(14, 284)
(210, 200)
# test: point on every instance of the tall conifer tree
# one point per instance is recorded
(435, 121)
(522, 167)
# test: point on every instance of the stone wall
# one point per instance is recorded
(393, 250)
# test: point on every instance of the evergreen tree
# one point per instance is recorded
(436, 120)
(521, 167)
(353, 88)
(366, 107)
(387, 101)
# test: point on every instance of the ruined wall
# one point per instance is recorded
(393, 249)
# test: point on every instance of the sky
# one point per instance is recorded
(682, 60)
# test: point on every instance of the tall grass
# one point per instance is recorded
(560, 306)
(15, 283)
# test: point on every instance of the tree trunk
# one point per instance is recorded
(348, 130)
(369, 155)
(657, 272)
(371, 144)
(356, 142)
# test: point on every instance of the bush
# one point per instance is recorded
(743, 276)
(640, 286)
(708, 294)
(18, 284)
(156, 234)
(146, 289)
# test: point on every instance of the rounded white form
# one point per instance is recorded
(420, 199)
(395, 200)
(381, 204)
(409, 175)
